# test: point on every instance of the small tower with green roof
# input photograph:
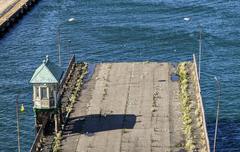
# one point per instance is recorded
(46, 80)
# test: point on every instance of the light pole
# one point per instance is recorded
(199, 47)
(217, 116)
(200, 52)
(59, 38)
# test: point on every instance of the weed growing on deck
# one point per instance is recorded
(185, 107)
(72, 100)
(77, 89)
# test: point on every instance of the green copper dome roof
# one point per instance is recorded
(47, 72)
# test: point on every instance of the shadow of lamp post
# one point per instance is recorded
(217, 116)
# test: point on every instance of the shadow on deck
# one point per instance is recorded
(90, 124)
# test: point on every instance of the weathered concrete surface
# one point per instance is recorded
(127, 107)
(4, 4)
(9, 8)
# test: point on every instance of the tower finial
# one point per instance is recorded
(47, 58)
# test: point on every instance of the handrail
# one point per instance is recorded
(71, 62)
(37, 140)
(199, 99)
(65, 75)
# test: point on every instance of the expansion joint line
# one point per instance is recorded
(170, 99)
(125, 109)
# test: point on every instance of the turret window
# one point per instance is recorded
(37, 92)
(51, 93)
(44, 93)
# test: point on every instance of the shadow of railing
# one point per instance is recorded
(99, 123)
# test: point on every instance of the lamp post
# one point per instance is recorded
(217, 116)
(200, 52)
(199, 47)
(59, 38)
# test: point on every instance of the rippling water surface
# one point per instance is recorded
(129, 30)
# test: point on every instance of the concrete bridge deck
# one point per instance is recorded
(4, 4)
(127, 107)
(11, 9)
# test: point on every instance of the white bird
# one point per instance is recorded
(71, 19)
(186, 18)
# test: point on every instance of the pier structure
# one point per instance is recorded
(52, 111)
(46, 82)
(11, 11)
(131, 106)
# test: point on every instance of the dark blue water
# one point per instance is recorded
(129, 30)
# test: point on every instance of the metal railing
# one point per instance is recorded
(199, 100)
(70, 64)
(65, 77)
(37, 140)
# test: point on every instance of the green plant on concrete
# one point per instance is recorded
(57, 142)
(190, 145)
(78, 85)
(185, 106)
(69, 107)
(73, 97)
